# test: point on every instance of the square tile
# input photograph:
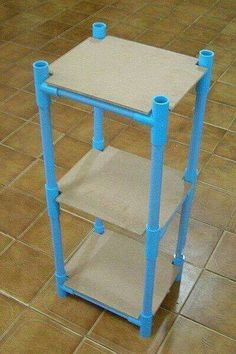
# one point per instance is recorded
(24, 271)
(16, 76)
(12, 163)
(35, 333)
(17, 211)
(8, 124)
(90, 347)
(232, 223)
(10, 310)
(233, 126)
(70, 17)
(121, 336)
(179, 291)
(212, 23)
(227, 146)
(213, 304)
(6, 92)
(32, 181)
(219, 115)
(4, 241)
(220, 173)
(68, 151)
(213, 206)
(45, 10)
(186, 105)
(167, 25)
(59, 46)
(229, 76)
(22, 104)
(201, 241)
(73, 228)
(190, 337)
(155, 39)
(222, 260)
(32, 39)
(72, 312)
(88, 7)
(53, 27)
(28, 139)
(197, 33)
(125, 31)
(223, 93)
(84, 130)
(13, 52)
(186, 46)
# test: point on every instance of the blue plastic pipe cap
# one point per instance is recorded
(99, 30)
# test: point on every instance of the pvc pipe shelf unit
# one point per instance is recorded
(121, 265)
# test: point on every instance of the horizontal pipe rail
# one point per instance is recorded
(138, 117)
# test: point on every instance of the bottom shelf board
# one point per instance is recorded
(110, 269)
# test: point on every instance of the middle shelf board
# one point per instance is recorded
(110, 269)
(113, 185)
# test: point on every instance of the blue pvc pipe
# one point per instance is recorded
(41, 73)
(139, 117)
(206, 58)
(160, 112)
(99, 30)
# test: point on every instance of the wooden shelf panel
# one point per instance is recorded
(110, 269)
(113, 185)
(125, 73)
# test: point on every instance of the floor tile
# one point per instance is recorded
(213, 304)
(35, 333)
(180, 130)
(189, 337)
(6, 12)
(72, 312)
(32, 39)
(186, 46)
(233, 126)
(22, 104)
(68, 151)
(187, 13)
(53, 27)
(230, 29)
(219, 114)
(220, 173)
(73, 232)
(232, 223)
(24, 271)
(28, 60)
(201, 241)
(32, 181)
(227, 146)
(140, 21)
(112, 13)
(70, 17)
(131, 5)
(212, 23)
(8, 124)
(12, 163)
(45, 10)
(155, 11)
(59, 46)
(123, 337)
(197, 33)
(222, 260)
(155, 39)
(6, 92)
(28, 139)
(132, 140)
(213, 206)
(13, 52)
(84, 130)
(17, 211)
(16, 77)
(4, 241)
(167, 25)
(179, 291)
(221, 12)
(87, 7)
(125, 31)
(90, 347)
(223, 93)
(186, 105)
(176, 156)
(230, 75)
(77, 33)
(225, 41)
(10, 310)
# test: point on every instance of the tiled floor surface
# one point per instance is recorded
(200, 316)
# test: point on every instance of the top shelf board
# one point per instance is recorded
(125, 73)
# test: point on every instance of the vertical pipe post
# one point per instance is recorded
(98, 32)
(41, 73)
(206, 58)
(160, 110)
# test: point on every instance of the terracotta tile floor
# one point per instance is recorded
(199, 315)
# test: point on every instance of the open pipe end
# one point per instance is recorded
(206, 53)
(40, 64)
(99, 30)
(160, 100)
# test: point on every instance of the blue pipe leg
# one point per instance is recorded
(40, 69)
(98, 144)
(206, 60)
(153, 233)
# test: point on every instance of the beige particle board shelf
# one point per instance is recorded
(108, 69)
(110, 269)
(113, 186)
